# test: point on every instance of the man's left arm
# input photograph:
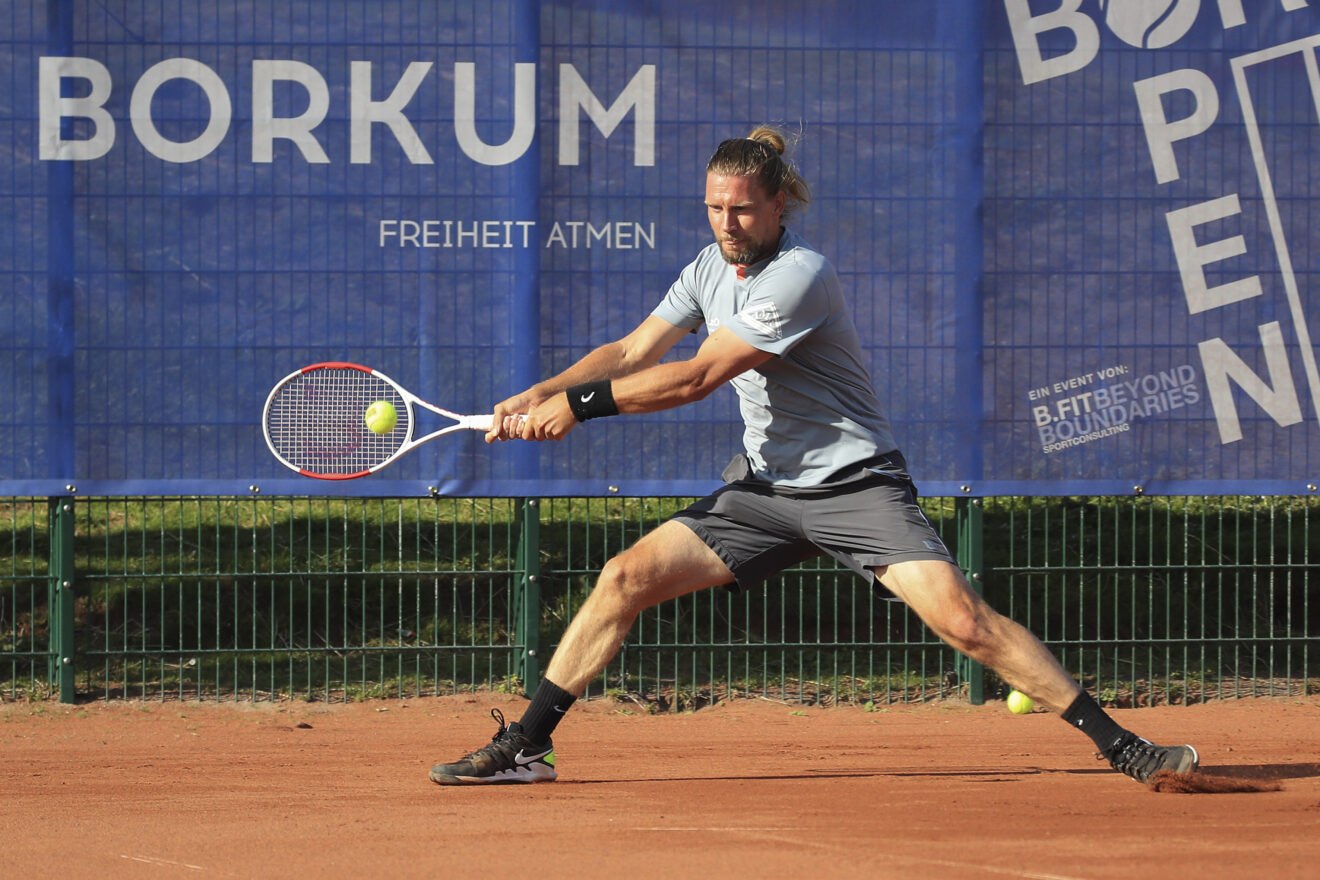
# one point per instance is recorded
(664, 386)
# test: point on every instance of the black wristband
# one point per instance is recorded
(592, 400)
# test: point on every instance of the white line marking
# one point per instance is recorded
(941, 863)
(989, 869)
(153, 860)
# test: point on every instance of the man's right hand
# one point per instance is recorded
(509, 414)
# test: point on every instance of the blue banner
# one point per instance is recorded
(1077, 235)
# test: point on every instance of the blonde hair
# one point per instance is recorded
(761, 155)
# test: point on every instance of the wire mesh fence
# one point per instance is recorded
(1167, 600)
(24, 605)
(1147, 600)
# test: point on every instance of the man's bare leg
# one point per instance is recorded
(940, 595)
(665, 564)
(942, 598)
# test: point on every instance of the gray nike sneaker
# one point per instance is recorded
(1140, 758)
(509, 757)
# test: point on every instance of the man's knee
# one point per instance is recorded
(665, 564)
(941, 596)
(624, 580)
(968, 628)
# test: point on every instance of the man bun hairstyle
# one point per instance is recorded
(762, 155)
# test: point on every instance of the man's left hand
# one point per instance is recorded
(551, 419)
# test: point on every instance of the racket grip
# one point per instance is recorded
(478, 423)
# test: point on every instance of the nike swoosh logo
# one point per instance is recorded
(557, 709)
(586, 398)
(522, 760)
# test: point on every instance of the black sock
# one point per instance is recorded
(1086, 715)
(549, 704)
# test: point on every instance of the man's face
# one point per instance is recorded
(744, 219)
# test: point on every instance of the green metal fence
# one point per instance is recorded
(1148, 600)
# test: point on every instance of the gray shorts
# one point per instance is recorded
(864, 522)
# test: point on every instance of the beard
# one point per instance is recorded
(744, 253)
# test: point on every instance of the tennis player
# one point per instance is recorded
(820, 474)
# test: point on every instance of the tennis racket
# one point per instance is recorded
(315, 421)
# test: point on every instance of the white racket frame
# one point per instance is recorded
(411, 401)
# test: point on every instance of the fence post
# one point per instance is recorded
(970, 557)
(60, 598)
(527, 597)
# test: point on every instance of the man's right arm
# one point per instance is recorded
(642, 348)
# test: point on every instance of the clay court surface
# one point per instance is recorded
(748, 788)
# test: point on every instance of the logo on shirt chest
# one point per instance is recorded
(764, 318)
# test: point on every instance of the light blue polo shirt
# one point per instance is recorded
(811, 411)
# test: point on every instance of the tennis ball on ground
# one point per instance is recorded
(1019, 703)
(380, 417)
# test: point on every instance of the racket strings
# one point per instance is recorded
(316, 422)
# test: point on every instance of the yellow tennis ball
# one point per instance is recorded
(1019, 703)
(381, 417)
